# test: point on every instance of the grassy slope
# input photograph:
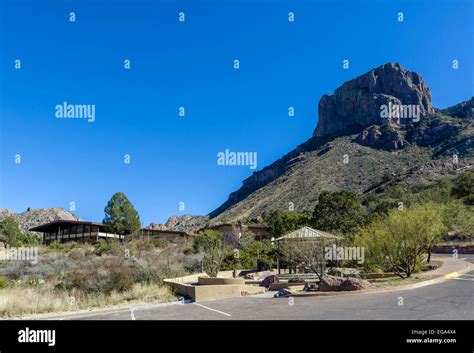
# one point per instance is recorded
(305, 180)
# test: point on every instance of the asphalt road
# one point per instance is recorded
(451, 300)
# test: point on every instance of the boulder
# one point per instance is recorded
(283, 293)
(330, 283)
(337, 284)
(257, 276)
(269, 280)
(352, 283)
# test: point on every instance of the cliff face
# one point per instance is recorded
(357, 102)
(350, 123)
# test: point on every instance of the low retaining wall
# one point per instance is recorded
(286, 285)
(200, 288)
(213, 292)
(207, 281)
(448, 249)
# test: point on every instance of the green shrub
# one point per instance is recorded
(102, 247)
(399, 241)
(159, 243)
(56, 245)
(210, 243)
(3, 282)
(463, 185)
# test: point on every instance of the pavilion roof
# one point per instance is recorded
(309, 233)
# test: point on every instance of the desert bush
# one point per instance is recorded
(210, 243)
(250, 254)
(463, 186)
(459, 219)
(308, 253)
(56, 245)
(19, 301)
(160, 243)
(399, 241)
(3, 282)
(11, 233)
(112, 275)
(102, 247)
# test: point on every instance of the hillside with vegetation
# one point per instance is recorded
(354, 148)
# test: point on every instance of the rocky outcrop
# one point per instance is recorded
(33, 217)
(432, 135)
(157, 226)
(185, 223)
(383, 137)
(463, 110)
(357, 103)
(462, 148)
(350, 119)
(6, 213)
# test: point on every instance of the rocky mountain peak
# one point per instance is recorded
(357, 103)
(33, 217)
(185, 223)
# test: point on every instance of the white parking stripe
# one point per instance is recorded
(464, 279)
(132, 315)
(467, 274)
(217, 311)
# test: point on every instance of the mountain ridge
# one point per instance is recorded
(358, 129)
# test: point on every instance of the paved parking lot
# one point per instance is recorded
(451, 300)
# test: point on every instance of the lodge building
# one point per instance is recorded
(173, 236)
(80, 231)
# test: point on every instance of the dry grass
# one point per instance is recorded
(71, 277)
(19, 301)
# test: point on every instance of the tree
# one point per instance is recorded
(309, 253)
(10, 232)
(120, 215)
(283, 222)
(399, 241)
(10, 229)
(459, 219)
(260, 253)
(210, 243)
(463, 187)
(338, 211)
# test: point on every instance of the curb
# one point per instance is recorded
(72, 315)
(441, 279)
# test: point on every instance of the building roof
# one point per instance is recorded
(309, 233)
(62, 222)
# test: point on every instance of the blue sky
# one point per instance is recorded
(190, 64)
